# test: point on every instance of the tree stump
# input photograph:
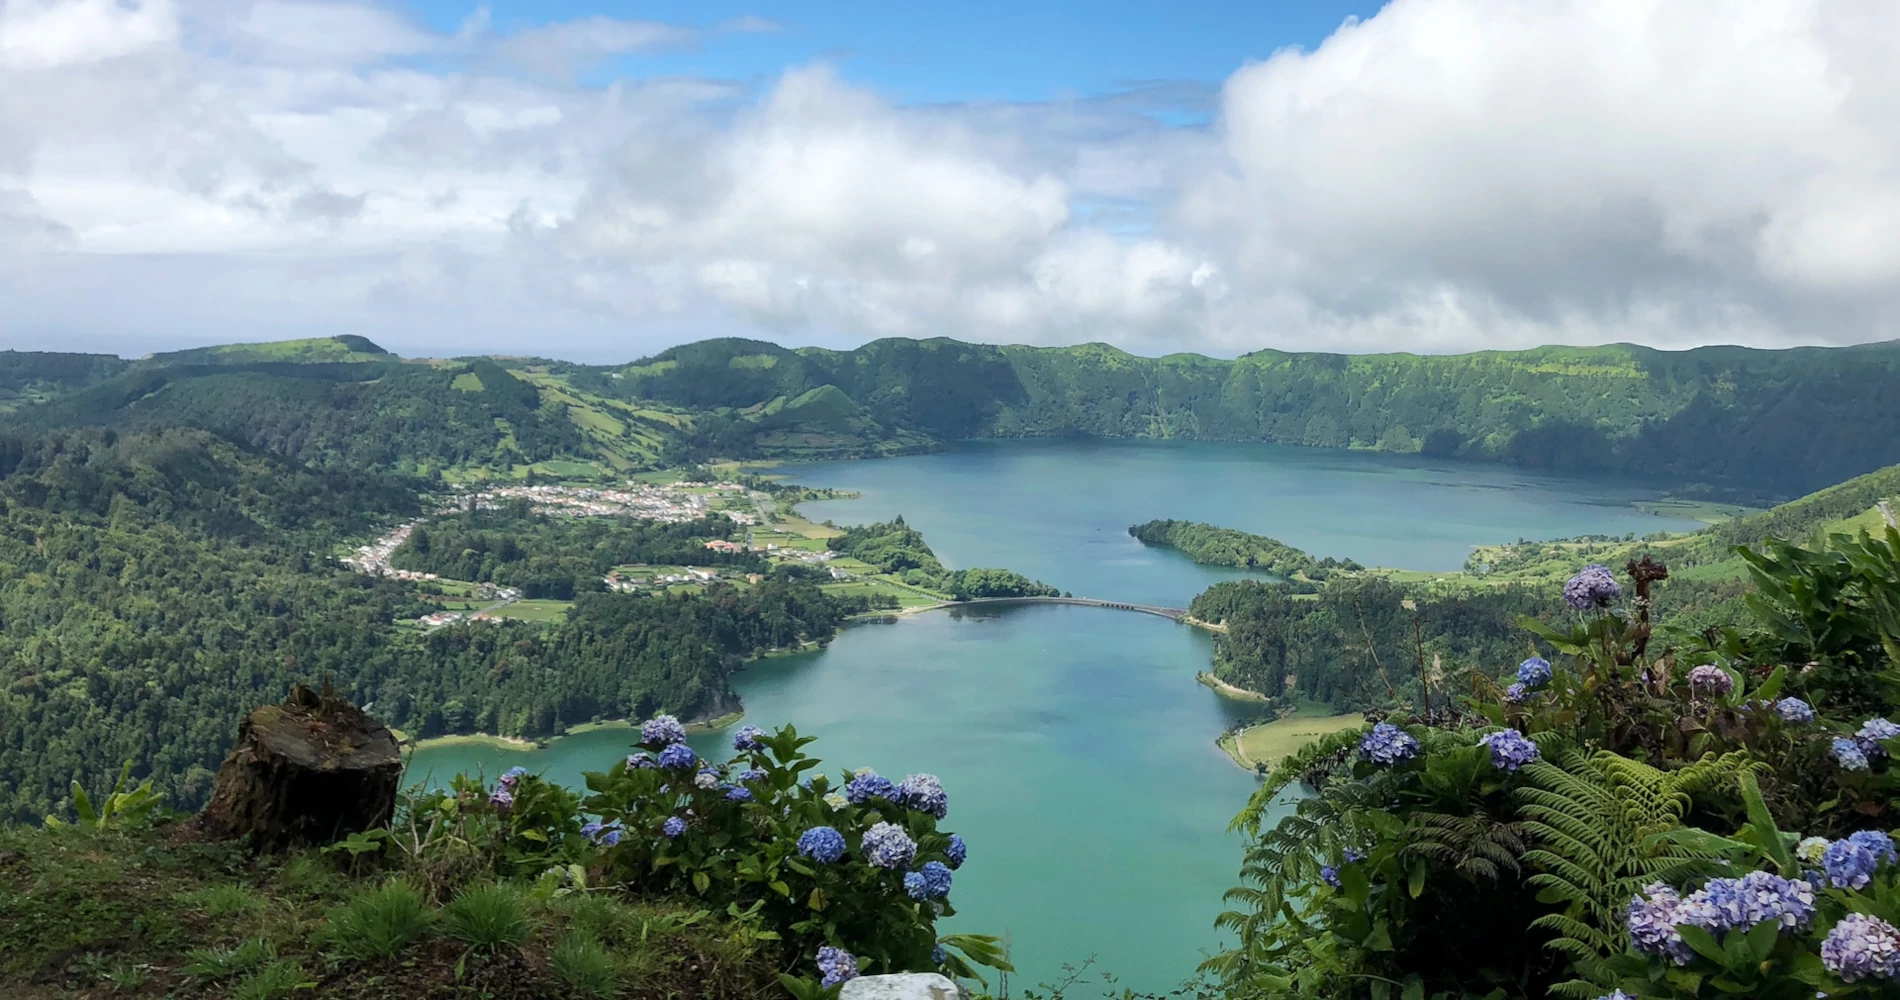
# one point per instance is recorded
(312, 770)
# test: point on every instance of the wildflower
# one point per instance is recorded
(1795, 710)
(673, 827)
(737, 794)
(1811, 850)
(886, 845)
(639, 761)
(512, 775)
(1534, 672)
(661, 730)
(1387, 744)
(836, 801)
(869, 785)
(932, 881)
(1710, 679)
(1861, 946)
(678, 756)
(1329, 875)
(837, 964)
(707, 779)
(822, 844)
(1652, 923)
(1516, 694)
(1593, 587)
(1848, 754)
(1880, 845)
(747, 738)
(502, 799)
(1509, 749)
(957, 851)
(1849, 865)
(924, 793)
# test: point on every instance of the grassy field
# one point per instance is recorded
(534, 610)
(907, 596)
(1268, 742)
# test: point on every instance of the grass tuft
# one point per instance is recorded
(276, 981)
(222, 963)
(379, 923)
(487, 917)
(584, 966)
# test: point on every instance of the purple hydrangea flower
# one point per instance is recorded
(1593, 587)
(673, 827)
(1510, 750)
(924, 793)
(591, 830)
(512, 775)
(957, 851)
(678, 756)
(1710, 679)
(837, 964)
(1795, 711)
(737, 794)
(869, 785)
(640, 762)
(661, 730)
(610, 838)
(747, 738)
(1616, 995)
(751, 774)
(1849, 865)
(1741, 903)
(1848, 754)
(822, 844)
(886, 845)
(1861, 946)
(1653, 921)
(1534, 672)
(1879, 844)
(707, 779)
(1329, 875)
(1516, 694)
(1871, 733)
(1353, 854)
(1387, 744)
(502, 799)
(932, 881)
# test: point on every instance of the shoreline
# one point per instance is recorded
(1227, 690)
(1294, 732)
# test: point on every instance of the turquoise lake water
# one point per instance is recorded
(1077, 749)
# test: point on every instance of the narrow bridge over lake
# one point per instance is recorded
(1175, 614)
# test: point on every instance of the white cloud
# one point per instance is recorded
(1449, 174)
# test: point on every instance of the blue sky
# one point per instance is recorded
(973, 50)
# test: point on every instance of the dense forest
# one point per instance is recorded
(895, 547)
(1212, 546)
(1749, 422)
(546, 556)
(155, 586)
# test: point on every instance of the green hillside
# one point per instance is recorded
(348, 347)
(1733, 420)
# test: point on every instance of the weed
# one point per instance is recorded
(487, 917)
(273, 982)
(379, 923)
(221, 963)
(222, 900)
(584, 966)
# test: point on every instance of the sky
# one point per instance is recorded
(599, 181)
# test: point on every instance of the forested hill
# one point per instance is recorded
(1766, 423)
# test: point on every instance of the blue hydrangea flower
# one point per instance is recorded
(837, 964)
(678, 756)
(747, 738)
(512, 775)
(1534, 672)
(661, 730)
(1353, 854)
(1877, 843)
(673, 827)
(1740, 903)
(1861, 946)
(1593, 587)
(1652, 922)
(936, 878)
(1848, 754)
(822, 844)
(1871, 733)
(924, 793)
(1510, 750)
(1794, 710)
(590, 830)
(938, 956)
(886, 845)
(1516, 694)
(869, 785)
(737, 794)
(1849, 865)
(610, 838)
(1616, 995)
(751, 774)
(639, 762)
(1710, 679)
(1329, 875)
(957, 851)
(502, 799)
(1387, 744)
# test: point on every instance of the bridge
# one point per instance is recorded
(1173, 614)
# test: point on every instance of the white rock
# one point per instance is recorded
(907, 986)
